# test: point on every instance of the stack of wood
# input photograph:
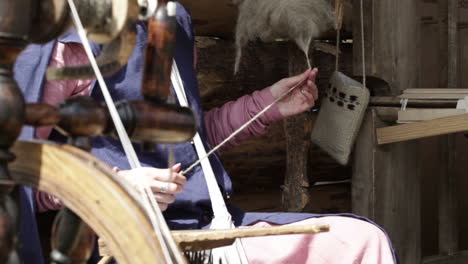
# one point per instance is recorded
(428, 122)
(421, 114)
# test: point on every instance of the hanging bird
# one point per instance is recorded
(299, 20)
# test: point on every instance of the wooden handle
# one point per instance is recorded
(194, 240)
(207, 239)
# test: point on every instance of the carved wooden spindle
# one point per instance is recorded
(40, 114)
(159, 53)
(14, 29)
(144, 121)
(157, 123)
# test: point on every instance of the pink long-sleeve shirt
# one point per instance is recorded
(219, 122)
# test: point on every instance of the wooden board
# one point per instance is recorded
(435, 91)
(435, 96)
(436, 127)
(416, 115)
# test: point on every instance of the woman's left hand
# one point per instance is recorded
(302, 98)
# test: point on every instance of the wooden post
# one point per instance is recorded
(386, 179)
(386, 188)
(448, 220)
(297, 129)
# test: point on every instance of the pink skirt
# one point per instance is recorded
(349, 240)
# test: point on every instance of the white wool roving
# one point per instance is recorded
(300, 20)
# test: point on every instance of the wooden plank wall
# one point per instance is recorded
(386, 186)
(391, 181)
(434, 75)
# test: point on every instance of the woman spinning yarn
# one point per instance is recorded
(184, 198)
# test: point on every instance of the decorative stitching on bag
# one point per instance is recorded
(341, 98)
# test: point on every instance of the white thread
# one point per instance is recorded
(404, 103)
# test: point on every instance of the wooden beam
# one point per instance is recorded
(438, 96)
(435, 91)
(436, 127)
(416, 115)
(297, 129)
(393, 101)
(217, 18)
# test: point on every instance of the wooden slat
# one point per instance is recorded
(435, 91)
(433, 96)
(390, 101)
(416, 115)
(436, 127)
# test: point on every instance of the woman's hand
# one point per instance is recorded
(302, 98)
(164, 183)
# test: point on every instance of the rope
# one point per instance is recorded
(338, 24)
(363, 49)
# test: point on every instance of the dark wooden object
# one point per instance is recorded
(393, 101)
(297, 130)
(160, 123)
(159, 54)
(72, 239)
(14, 29)
(144, 121)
